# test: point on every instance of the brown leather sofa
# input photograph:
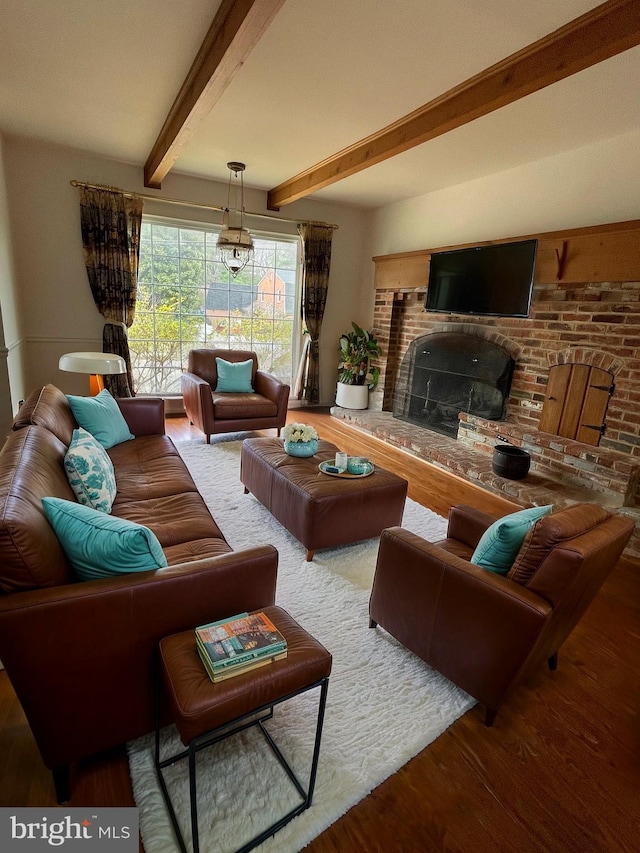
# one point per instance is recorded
(80, 655)
(215, 412)
(484, 631)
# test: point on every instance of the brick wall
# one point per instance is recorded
(591, 323)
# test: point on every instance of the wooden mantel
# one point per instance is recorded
(593, 254)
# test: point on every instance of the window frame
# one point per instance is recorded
(213, 228)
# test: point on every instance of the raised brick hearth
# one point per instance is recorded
(606, 476)
(538, 488)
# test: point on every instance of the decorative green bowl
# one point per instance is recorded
(301, 448)
(358, 465)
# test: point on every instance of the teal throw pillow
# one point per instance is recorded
(101, 416)
(234, 376)
(500, 543)
(98, 545)
(90, 471)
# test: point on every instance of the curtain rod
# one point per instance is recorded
(130, 194)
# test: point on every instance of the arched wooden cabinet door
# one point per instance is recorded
(576, 402)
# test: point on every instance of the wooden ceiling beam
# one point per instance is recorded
(237, 27)
(605, 31)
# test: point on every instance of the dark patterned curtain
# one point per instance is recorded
(110, 223)
(316, 243)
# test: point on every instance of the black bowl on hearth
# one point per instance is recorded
(510, 462)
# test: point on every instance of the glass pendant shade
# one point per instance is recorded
(236, 248)
(235, 245)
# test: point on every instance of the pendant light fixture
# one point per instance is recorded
(234, 241)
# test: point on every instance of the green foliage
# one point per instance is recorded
(268, 336)
(357, 348)
(160, 339)
(177, 265)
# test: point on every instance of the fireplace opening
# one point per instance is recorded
(445, 373)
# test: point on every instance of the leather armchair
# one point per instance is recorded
(214, 412)
(484, 631)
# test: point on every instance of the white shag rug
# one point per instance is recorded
(384, 705)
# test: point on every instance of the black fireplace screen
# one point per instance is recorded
(443, 374)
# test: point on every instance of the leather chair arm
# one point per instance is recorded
(276, 391)
(194, 379)
(144, 415)
(271, 387)
(407, 561)
(474, 626)
(80, 656)
(198, 401)
(467, 524)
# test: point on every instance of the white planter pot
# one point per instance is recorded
(352, 396)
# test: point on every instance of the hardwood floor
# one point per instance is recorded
(558, 771)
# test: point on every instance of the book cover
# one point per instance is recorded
(239, 639)
(238, 669)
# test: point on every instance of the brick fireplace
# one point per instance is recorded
(569, 323)
(445, 373)
(579, 321)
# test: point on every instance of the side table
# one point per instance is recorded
(206, 713)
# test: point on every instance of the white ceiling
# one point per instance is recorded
(101, 77)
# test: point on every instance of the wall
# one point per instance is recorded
(587, 186)
(11, 374)
(45, 300)
(591, 185)
(54, 303)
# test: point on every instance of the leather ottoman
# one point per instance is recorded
(319, 510)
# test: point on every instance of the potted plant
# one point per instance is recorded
(356, 376)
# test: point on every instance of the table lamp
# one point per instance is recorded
(96, 364)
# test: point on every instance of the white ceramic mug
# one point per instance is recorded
(341, 461)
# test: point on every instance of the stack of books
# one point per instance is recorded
(237, 645)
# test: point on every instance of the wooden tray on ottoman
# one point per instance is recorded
(320, 511)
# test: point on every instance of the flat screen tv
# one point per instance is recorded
(484, 280)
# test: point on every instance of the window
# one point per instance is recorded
(188, 299)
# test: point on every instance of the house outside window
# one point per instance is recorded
(187, 299)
